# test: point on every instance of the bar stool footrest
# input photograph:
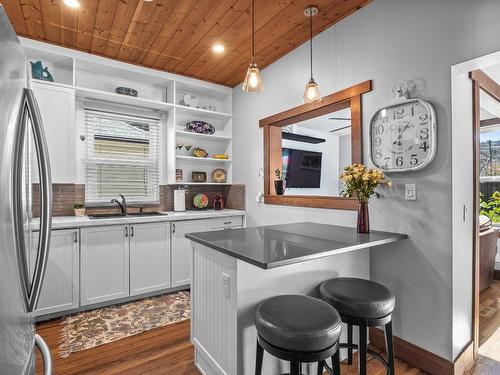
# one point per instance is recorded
(373, 353)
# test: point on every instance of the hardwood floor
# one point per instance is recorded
(489, 322)
(166, 351)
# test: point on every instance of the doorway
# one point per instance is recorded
(486, 212)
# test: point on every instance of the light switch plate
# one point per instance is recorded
(226, 285)
(410, 192)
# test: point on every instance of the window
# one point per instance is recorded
(122, 157)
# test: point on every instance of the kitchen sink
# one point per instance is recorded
(106, 216)
(146, 214)
(133, 214)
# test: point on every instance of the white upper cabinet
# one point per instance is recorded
(57, 107)
(149, 257)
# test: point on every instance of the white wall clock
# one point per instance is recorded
(403, 134)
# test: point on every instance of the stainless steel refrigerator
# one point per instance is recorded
(23, 162)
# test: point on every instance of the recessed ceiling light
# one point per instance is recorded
(218, 48)
(72, 3)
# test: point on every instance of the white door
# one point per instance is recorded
(57, 107)
(149, 257)
(104, 263)
(182, 251)
(61, 284)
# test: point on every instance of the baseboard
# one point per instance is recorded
(423, 359)
(496, 275)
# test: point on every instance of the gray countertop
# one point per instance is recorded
(62, 222)
(278, 245)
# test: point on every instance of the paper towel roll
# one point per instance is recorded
(180, 200)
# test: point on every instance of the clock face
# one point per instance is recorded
(403, 136)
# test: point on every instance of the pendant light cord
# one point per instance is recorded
(310, 40)
(253, 31)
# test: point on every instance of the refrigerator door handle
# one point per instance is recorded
(46, 356)
(30, 109)
(17, 198)
(45, 198)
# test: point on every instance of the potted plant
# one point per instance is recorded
(79, 209)
(361, 182)
(279, 183)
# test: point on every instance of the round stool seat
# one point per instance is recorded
(298, 323)
(358, 297)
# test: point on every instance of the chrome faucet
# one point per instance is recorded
(122, 204)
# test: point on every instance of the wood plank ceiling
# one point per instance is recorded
(177, 35)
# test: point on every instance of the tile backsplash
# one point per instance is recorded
(66, 195)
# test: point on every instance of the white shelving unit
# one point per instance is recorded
(95, 78)
(202, 160)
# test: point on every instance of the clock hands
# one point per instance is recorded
(398, 139)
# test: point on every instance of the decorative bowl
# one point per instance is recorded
(200, 200)
(200, 127)
(190, 101)
(126, 91)
(200, 153)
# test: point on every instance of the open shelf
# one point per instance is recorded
(201, 183)
(86, 93)
(210, 137)
(202, 113)
(194, 158)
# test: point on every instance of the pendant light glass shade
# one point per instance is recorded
(253, 80)
(311, 94)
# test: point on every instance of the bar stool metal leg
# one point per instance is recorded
(349, 341)
(258, 359)
(389, 348)
(320, 368)
(295, 368)
(362, 349)
(336, 363)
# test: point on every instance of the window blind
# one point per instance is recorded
(122, 157)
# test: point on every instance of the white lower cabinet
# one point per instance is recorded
(60, 290)
(149, 257)
(112, 262)
(182, 251)
(104, 263)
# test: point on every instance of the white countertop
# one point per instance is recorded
(60, 222)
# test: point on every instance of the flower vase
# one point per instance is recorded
(363, 218)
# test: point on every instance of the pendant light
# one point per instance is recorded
(253, 80)
(311, 93)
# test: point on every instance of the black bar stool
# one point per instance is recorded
(298, 329)
(362, 303)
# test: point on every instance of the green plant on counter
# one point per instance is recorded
(278, 174)
(77, 206)
(491, 206)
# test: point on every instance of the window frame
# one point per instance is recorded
(150, 164)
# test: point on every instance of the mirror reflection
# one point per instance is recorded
(314, 153)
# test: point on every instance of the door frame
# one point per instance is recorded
(480, 81)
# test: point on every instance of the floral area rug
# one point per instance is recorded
(97, 327)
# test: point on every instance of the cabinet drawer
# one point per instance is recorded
(226, 222)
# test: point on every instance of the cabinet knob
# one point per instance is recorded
(126, 231)
(173, 227)
(131, 231)
(75, 237)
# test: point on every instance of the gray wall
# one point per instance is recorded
(388, 40)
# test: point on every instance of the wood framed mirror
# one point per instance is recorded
(311, 144)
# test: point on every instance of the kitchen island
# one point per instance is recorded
(233, 270)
